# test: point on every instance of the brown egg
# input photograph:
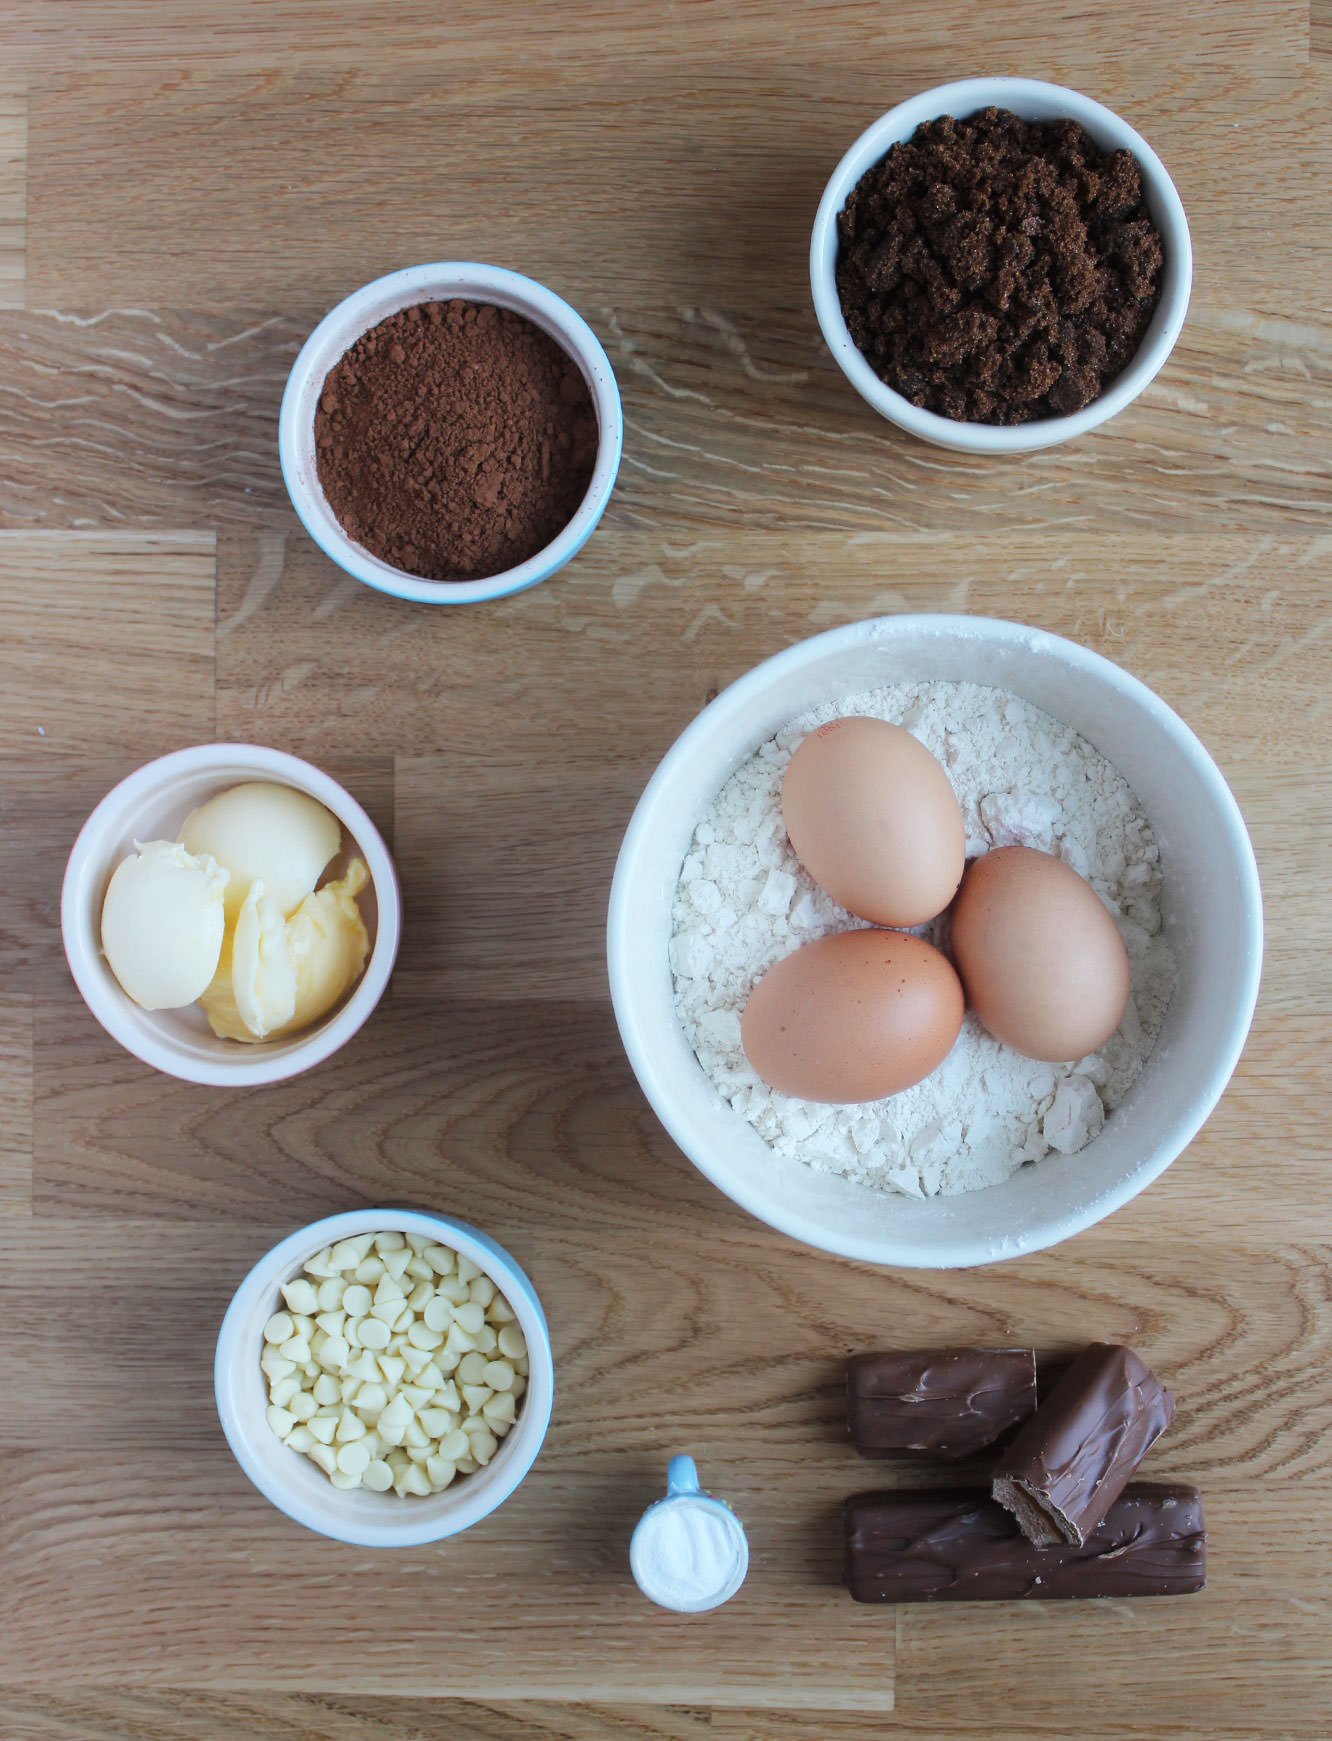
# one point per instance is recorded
(874, 820)
(1044, 967)
(853, 1016)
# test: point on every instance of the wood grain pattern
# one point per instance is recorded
(13, 195)
(250, 34)
(109, 641)
(15, 1109)
(183, 191)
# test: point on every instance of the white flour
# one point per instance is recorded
(744, 901)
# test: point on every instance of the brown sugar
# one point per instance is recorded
(996, 270)
(455, 439)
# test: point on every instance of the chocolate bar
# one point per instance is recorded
(954, 1544)
(1074, 1457)
(949, 1403)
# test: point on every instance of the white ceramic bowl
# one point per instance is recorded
(151, 805)
(299, 1487)
(374, 302)
(1211, 906)
(1034, 101)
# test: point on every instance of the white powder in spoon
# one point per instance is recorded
(744, 901)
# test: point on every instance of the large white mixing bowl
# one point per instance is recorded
(1212, 912)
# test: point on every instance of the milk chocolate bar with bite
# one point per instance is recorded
(952, 1544)
(1074, 1457)
(944, 1403)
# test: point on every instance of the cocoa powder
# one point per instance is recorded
(455, 439)
(997, 270)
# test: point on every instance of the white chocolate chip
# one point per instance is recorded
(334, 1352)
(279, 1329)
(347, 1253)
(472, 1368)
(371, 1399)
(512, 1342)
(280, 1420)
(354, 1459)
(501, 1411)
(455, 1444)
(441, 1472)
(300, 1295)
(484, 1444)
(349, 1426)
(377, 1476)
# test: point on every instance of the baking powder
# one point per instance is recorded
(744, 901)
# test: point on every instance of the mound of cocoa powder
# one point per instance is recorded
(997, 270)
(455, 440)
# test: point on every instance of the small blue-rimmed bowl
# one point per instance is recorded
(299, 1487)
(375, 302)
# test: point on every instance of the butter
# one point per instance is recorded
(278, 975)
(162, 923)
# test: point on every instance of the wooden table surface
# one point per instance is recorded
(184, 190)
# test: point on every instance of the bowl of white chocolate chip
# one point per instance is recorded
(230, 914)
(385, 1376)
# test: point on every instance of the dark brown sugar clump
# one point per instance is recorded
(996, 270)
(455, 439)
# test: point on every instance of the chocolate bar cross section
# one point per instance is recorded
(954, 1544)
(948, 1402)
(1075, 1455)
